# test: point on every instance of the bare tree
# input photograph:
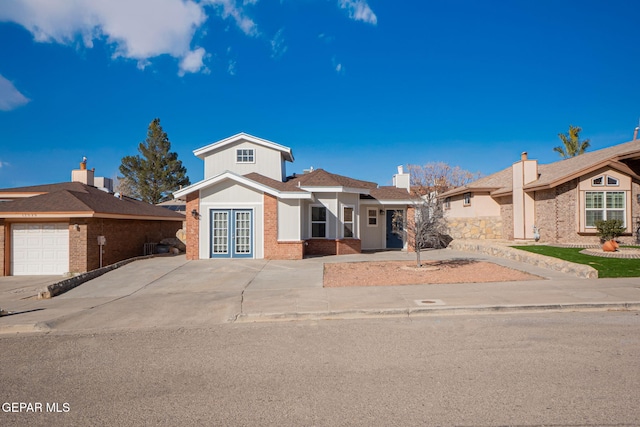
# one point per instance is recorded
(427, 228)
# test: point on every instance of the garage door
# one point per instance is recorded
(39, 249)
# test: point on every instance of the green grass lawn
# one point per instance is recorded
(607, 267)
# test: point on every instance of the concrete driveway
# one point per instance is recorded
(170, 292)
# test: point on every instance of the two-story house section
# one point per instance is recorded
(247, 207)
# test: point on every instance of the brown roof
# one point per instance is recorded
(277, 185)
(553, 174)
(80, 199)
(390, 193)
(322, 178)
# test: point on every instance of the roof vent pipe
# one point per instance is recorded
(635, 133)
(523, 156)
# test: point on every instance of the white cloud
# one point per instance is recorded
(193, 62)
(139, 30)
(10, 97)
(231, 68)
(359, 10)
(3, 164)
(230, 8)
(278, 48)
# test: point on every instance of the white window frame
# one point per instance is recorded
(245, 155)
(605, 209)
(595, 184)
(466, 199)
(616, 184)
(447, 203)
(352, 222)
(369, 217)
(325, 222)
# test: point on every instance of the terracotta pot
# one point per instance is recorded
(610, 246)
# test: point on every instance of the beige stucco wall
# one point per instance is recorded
(289, 220)
(230, 195)
(372, 236)
(268, 162)
(482, 204)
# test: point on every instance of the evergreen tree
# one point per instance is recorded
(571, 144)
(156, 172)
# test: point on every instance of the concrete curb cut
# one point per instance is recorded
(25, 328)
(66, 285)
(435, 311)
(579, 270)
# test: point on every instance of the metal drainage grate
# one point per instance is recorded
(428, 302)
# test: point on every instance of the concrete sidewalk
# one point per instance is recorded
(173, 292)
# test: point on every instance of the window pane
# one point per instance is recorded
(594, 200)
(592, 217)
(318, 213)
(616, 215)
(318, 229)
(612, 181)
(348, 230)
(348, 214)
(597, 181)
(373, 221)
(615, 200)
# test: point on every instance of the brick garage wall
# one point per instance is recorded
(274, 249)
(506, 213)
(78, 249)
(3, 230)
(124, 239)
(193, 226)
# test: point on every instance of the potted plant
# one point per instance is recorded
(608, 231)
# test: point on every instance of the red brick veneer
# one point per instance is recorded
(333, 246)
(274, 249)
(193, 226)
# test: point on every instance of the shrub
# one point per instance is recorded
(609, 229)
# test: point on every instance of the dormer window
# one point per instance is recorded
(613, 182)
(245, 155)
(598, 182)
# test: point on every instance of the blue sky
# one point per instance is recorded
(356, 87)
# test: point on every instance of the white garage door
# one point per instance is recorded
(39, 249)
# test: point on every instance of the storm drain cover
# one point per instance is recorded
(428, 302)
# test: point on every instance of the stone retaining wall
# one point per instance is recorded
(489, 227)
(508, 252)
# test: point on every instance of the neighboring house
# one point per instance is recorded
(562, 199)
(54, 229)
(247, 206)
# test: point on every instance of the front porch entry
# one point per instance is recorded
(394, 241)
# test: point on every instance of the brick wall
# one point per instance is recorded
(193, 226)
(3, 230)
(546, 215)
(333, 246)
(124, 239)
(274, 249)
(506, 213)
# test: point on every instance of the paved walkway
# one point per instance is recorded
(174, 292)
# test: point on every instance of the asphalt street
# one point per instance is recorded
(577, 369)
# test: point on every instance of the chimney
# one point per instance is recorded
(635, 133)
(83, 175)
(523, 156)
(402, 179)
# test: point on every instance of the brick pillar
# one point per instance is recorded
(193, 226)
(78, 247)
(3, 227)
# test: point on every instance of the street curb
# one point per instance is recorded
(435, 311)
(25, 328)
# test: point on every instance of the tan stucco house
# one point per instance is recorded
(562, 200)
(248, 207)
(55, 228)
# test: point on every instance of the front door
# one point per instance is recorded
(394, 240)
(231, 233)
